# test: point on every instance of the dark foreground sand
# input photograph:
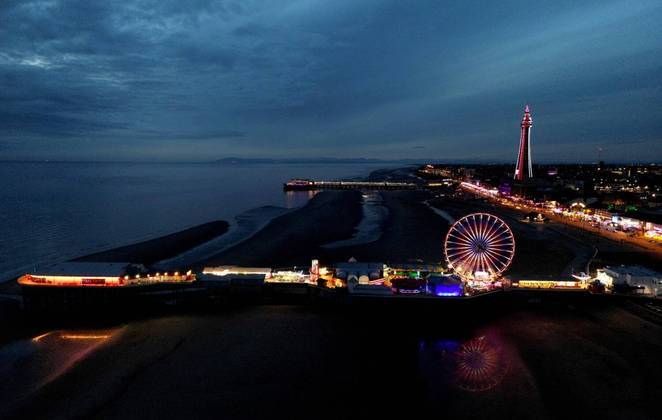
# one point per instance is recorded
(534, 361)
(161, 248)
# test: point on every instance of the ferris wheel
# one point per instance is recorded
(479, 246)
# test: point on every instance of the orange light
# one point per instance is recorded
(84, 336)
(39, 337)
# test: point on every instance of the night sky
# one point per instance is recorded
(431, 80)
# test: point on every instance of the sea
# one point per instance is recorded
(55, 211)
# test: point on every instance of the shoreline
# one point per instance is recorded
(411, 232)
(144, 252)
(168, 248)
(371, 226)
(160, 248)
(245, 226)
(295, 238)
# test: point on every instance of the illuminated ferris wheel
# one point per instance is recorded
(479, 246)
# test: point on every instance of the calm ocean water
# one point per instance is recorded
(52, 211)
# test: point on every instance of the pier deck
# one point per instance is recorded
(307, 185)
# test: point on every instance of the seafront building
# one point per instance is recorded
(640, 279)
(549, 283)
(572, 212)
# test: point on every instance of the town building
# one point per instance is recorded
(354, 273)
(549, 283)
(634, 277)
(232, 274)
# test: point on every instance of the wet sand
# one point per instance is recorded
(245, 225)
(411, 232)
(295, 238)
(163, 247)
(535, 361)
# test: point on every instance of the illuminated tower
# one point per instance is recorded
(523, 170)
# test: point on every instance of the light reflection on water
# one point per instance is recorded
(26, 365)
(294, 199)
(477, 364)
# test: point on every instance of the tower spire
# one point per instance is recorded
(524, 170)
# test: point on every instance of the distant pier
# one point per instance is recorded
(307, 185)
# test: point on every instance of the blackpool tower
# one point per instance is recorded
(523, 170)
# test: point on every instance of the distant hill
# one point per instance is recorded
(237, 161)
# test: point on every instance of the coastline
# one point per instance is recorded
(295, 238)
(245, 226)
(133, 369)
(180, 248)
(371, 226)
(163, 247)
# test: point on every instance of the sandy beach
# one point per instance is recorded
(294, 238)
(163, 247)
(411, 232)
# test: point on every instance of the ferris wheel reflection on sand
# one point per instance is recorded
(479, 246)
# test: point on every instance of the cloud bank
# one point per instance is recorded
(199, 80)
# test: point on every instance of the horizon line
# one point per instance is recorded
(323, 160)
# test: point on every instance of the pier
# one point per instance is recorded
(308, 185)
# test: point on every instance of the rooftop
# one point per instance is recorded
(233, 269)
(76, 268)
(349, 266)
(634, 270)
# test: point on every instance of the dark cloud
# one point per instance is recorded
(50, 125)
(213, 134)
(342, 78)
